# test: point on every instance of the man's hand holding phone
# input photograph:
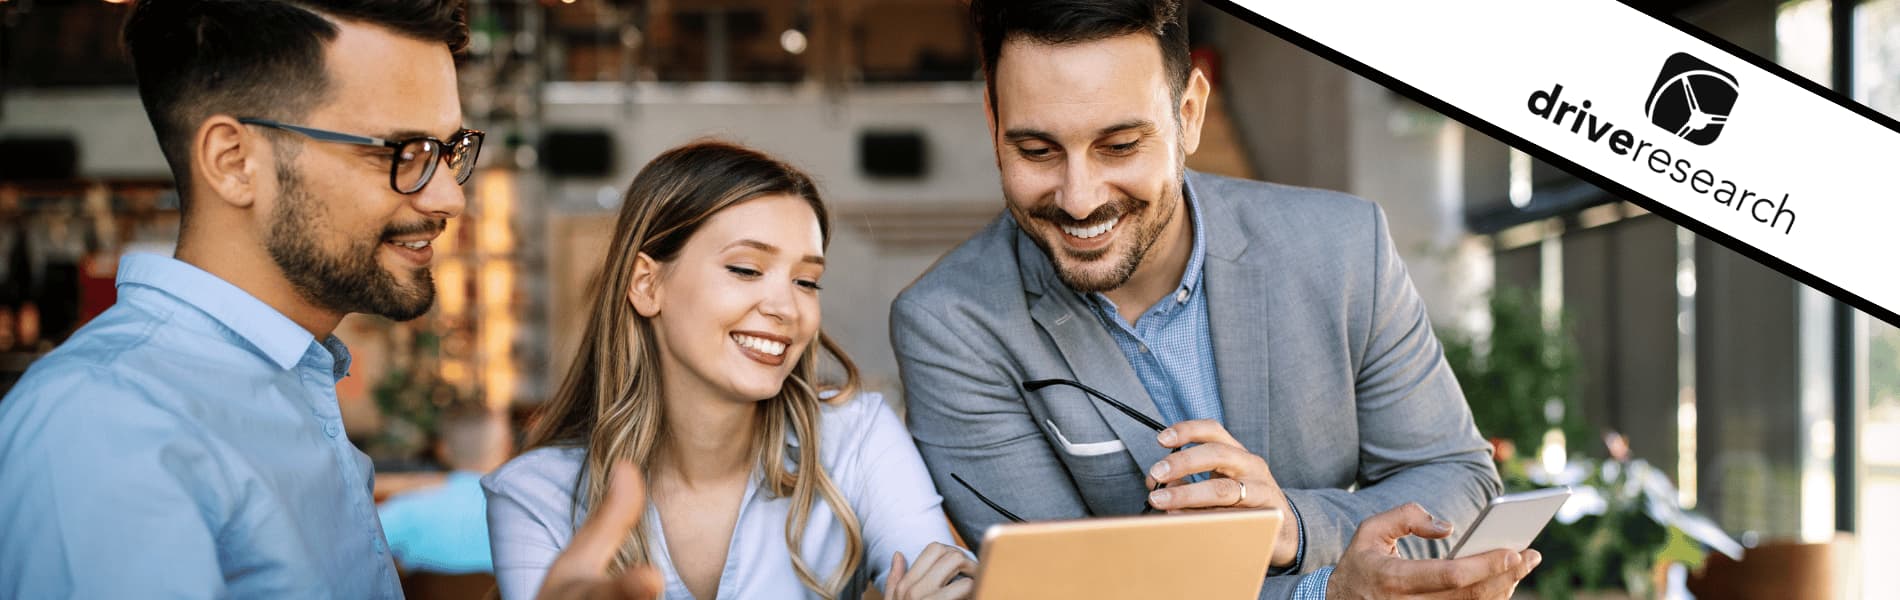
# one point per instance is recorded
(1372, 567)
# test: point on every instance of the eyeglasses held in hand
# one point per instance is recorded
(412, 161)
(1037, 384)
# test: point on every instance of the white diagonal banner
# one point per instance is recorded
(1708, 138)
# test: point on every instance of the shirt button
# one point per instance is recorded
(1144, 348)
(1181, 296)
(331, 429)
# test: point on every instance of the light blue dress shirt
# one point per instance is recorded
(443, 529)
(1171, 348)
(865, 450)
(186, 444)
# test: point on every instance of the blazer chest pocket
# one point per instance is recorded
(1104, 472)
(1076, 448)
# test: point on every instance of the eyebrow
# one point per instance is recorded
(771, 249)
(1143, 124)
(1024, 133)
(405, 134)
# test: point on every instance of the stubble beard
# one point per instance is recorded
(348, 282)
(1069, 265)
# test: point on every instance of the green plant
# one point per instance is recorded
(1618, 525)
(1519, 379)
(411, 396)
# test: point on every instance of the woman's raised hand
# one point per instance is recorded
(580, 572)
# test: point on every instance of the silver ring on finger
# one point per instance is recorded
(1243, 493)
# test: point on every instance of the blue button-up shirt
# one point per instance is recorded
(1170, 346)
(186, 444)
(1172, 350)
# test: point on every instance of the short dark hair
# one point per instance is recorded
(254, 58)
(1079, 21)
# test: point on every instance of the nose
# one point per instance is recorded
(778, 302)
(442, 197)
(1082, 189)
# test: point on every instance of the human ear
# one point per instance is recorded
(1193, 110)
(226, 157)
(644, 291)
(989, 116)
(989, 110)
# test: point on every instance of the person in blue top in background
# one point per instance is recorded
(444, 529)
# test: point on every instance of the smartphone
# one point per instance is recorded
(1510, 522)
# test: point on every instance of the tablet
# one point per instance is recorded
(1198, 555)
(1511, 521)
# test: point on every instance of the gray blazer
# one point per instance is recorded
(1327, 366)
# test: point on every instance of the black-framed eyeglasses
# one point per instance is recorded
(1037, 384)
(412, 161)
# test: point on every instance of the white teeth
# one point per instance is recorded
(1089, 232)
(413, 245)
(761, 345)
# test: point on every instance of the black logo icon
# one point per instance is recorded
(1692, 99)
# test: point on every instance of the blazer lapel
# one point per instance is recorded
(1237, 314)
(1091, 355)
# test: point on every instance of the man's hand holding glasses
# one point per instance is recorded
(1238, 479)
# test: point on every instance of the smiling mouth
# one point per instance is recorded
(760, 344)
(417, 253)
(1090, 231)
(404, 239)
(766, 349)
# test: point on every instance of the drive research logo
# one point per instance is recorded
(1691, 99)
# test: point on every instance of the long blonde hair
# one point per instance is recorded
(609, 402)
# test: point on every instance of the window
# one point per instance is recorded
(1876, 79)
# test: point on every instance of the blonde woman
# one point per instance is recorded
(697, 366)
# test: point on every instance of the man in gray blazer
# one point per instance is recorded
(1268, 333)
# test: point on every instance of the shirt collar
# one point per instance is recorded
(271, 333)
(1197, 254)
(1191, 279)
(339, 356)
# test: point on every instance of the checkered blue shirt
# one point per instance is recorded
(1172, 351)
(1170, 346)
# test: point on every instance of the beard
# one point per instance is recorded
(1123, 257)
(351, 281)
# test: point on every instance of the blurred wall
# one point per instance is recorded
(115, 139)
(1753, 433)
(1308, 122)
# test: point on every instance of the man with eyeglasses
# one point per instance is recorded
(187, 442)
(1132, 335)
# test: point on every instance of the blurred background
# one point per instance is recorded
(1692, 393)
